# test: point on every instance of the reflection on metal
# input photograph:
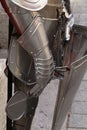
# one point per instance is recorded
(16, 106)
(76, 74)
(69, 26)
(31, 61)
(77, 54)
(36, 45)
(16, 61)
(32, 5)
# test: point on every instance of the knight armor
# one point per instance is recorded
(31, 5)
(30, 58)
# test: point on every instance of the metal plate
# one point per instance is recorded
(16, 106)
(32, 5)
(21, 63)
(77, 71)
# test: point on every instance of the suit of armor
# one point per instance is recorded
(30, 57)
(42, 47)
(37, 34)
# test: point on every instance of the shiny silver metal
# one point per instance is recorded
(31, 5)
(69, 26)
(70, 21)
(17, 60)
(22, 17)
(36, 44)
(35, 39)
(72, 79)
(30, 56)
(77, 70)
(16, 107)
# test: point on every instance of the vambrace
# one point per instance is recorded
(35, 42)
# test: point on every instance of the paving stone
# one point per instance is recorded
(81, 96)
(78, 121)
(77, 8)
(76, 18)
(44, 112)
(83, 86)
(2, 66)
(85, 76)
(3, 53)
(79, 108)
(83, 19)
(76, 129)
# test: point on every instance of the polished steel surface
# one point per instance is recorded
(30, 55)
(21, 67)
(16, 106)
(43, 59)
(31, 5)
(17, 60)
(76, 74)
(21, 16)
(76, 58)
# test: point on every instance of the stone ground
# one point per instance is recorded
(3, 95)
(78, 116)
(3, 29)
